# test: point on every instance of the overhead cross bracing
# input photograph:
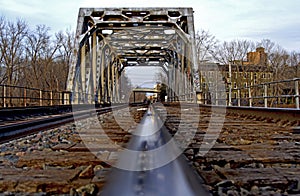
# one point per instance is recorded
(110, 39)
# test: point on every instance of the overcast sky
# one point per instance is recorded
(276, 20)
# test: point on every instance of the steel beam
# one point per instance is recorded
(144, 33)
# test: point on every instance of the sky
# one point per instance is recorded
(227, 20)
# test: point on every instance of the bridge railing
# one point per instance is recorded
(20, 96)
(279, 94)
(189, 97)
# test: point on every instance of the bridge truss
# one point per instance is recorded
(110, 39)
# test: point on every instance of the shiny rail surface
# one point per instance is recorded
(140, 173)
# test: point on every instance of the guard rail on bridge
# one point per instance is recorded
(20, 96)
(279, 94)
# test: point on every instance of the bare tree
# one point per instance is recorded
(235, 53)
(2, 66)
(278, 59)
(63, 60)
(36, 48)
(12, 35)
(33, 57)
(41, 52)
(232, 51)
(294, 64)
(267, 44)
(205, 43)
(66, 39)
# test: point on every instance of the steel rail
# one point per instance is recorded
(175, 178)
(21, 128)
(284, 114)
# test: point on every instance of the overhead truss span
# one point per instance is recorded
(111, 39)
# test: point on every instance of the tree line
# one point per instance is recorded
(210, 49)
(32, 57)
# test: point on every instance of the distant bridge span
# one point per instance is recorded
(110, 39)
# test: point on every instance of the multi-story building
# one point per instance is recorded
(219, 82)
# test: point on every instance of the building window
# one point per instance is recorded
(263, 75)
(234, 85)
(245, 85)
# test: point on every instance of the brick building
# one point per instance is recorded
(236, 75)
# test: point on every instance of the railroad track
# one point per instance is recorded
(257, 152)
(252, 154)
(147, 167)
(57, 161)
(20, 122)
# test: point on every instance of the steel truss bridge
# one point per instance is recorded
(111, 39)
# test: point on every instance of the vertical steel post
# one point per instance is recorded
(185, 98)
(94, 68)
(250, 96)
(217, 96)
(102, 82)
(230, 95)
(108, 98)
(175, 84)
(41, 98)
(113, 85)
(24, 97)
(216, 88)
(169, 84)
(239, 97)
(116, 93)
(51, 98)
(69, 97)
(4, 96)
(178, 85)
(183, 65)
(297, 93)
(61, 98)
(75, 93)
(265, 95)
(83, 73)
